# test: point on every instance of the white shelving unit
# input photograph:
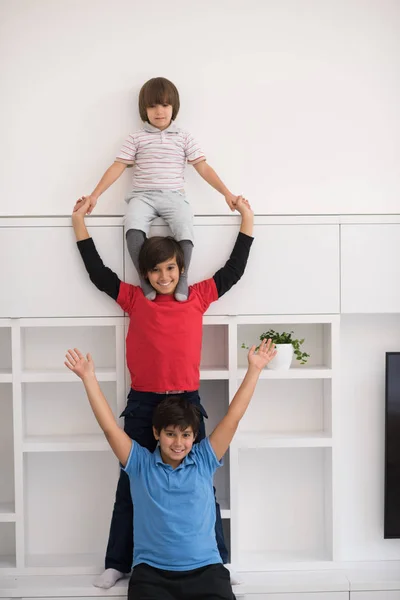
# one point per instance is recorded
(280, 466)
(50, 445)
(282, 459)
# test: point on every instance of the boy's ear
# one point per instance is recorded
(155, 433)
(182, 270)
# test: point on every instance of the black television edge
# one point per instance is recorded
(392, 446)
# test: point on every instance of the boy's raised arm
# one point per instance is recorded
(235, 266)
(222, 435)
(103, 278)
(84, 367)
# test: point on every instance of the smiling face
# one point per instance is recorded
(159, 115)
(164, 277)
(175, 444)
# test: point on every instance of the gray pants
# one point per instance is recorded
(145, 205)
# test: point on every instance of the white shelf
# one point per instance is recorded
(7, 514)
(293, 373)
(258, 439)
(70, 443)
(63, 376)
(212, 374)
(5, 376)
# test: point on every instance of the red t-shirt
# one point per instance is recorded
(163, 345)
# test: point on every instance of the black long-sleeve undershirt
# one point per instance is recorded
(107, 281)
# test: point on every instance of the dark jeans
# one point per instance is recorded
(211, 582)
(138, 425)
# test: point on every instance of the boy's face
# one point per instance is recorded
(175, 444)
(165, 276)
(160, 115)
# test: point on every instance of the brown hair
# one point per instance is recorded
(158, 249)
(176, 412)
(158, 91)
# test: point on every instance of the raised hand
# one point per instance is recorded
(242, 205)
(89, 202)
(263, 356)
(82, 206)
(231, 200)
(79, 364)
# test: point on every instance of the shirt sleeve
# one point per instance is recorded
(207, 292)
(205, 457)
(193, 152)
(234, 268)
(103, 278)
(136, 459)
(127, 296)
(128, 151)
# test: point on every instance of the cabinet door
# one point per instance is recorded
(292, 269)
(370, 270)
(42, 274)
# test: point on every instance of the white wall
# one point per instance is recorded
(295, 102)
(364, 341)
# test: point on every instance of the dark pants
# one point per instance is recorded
(138, 425)
(211, 582)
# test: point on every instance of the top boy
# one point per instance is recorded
(159, 152)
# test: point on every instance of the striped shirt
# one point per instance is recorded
(160, 157)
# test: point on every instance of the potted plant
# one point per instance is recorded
(285, 346)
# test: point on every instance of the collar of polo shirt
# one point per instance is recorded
(172, 128)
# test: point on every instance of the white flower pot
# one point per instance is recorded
(283, 358)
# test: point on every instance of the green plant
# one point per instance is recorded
(285, 338)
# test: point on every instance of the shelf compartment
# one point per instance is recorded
(6, 453)
(290, 491)
(62, 410)
(73, 495)
(318, 341)
(44, 348)
(291, 408)
(214, 352)
(7, 545)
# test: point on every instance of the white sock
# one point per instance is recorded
(108, 578)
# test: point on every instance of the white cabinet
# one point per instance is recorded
(370, 277)
(292, 269)
(43, 274)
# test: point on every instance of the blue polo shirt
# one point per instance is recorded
(174, 509)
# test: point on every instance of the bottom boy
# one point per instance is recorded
(176, 555)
